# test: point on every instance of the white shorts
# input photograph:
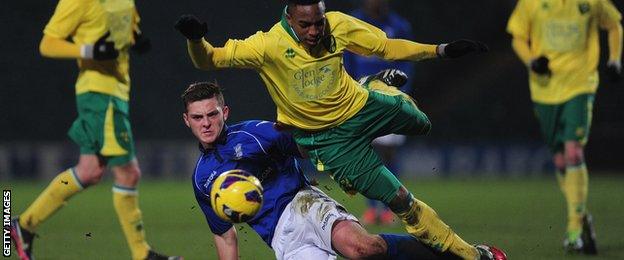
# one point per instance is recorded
(304, 228)
(390, 140)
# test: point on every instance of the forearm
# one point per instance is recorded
(201, 53)
(57, 48)
(399, 49)
(615, 43)
(522, 49)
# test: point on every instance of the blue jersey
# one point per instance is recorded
(395, 27)
(256, 147)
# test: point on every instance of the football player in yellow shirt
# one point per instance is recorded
(101, 33)
(558, 41)
(332, 117)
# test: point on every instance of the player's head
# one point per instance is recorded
(205, 111)
(307, 19)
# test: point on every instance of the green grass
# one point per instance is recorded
(525, 217)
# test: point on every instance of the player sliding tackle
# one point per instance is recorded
(287, 220)
(330, 116)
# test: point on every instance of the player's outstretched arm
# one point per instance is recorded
(227, 245)
(102, 49)
(200, 50)
(399, 49)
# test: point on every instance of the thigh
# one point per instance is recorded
(576, 116)
(551, 127)
(103, 128)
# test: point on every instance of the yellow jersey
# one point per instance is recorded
(85, 21)
(566, 32)
(311, 89)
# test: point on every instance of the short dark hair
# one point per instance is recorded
(202, 90)
(291, 3)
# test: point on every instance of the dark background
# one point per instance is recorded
(476, 99)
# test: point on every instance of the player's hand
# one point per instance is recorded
(142, 44)
(614, 71)
(101, 50)
(189, 26)
(540, 66)
(460, 48)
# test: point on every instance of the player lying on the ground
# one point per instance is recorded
(296, 220)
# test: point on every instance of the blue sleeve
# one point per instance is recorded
(216, 224)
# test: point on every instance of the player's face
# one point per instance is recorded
(308, 22)
(206, 119)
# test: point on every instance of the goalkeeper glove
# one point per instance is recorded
(189, 26)
(460, 48)
(614, 70)
(540, 66)
(101, 50)
(142, 44)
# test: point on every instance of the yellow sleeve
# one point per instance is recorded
(522, 49)
(248, 53)
(366, 39)
(609, 19)
(519, 24)
(53, 47)
(66, 18)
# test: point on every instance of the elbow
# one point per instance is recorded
(44, 50)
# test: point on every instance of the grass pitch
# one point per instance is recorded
(524, 217)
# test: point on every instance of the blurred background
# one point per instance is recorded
(482, 116)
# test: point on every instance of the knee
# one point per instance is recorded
(90, 174)
(559, 161)
(574, 154)
(127, 175)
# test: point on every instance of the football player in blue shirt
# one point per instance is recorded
(297, 220)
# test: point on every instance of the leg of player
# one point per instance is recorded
(576, 186)
(126, 202)
(88, 171)
(354, 242)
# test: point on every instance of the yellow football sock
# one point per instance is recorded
(60, 189)
(127, 206)
(422, 222)
(576, 182)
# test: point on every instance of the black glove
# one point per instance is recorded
(101, 50)
(191, 27)
(614, 71)
(142, 44)
(460, 48)
(540, 65)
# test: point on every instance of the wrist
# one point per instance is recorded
(86, 51)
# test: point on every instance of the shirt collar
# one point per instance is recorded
(287, 26)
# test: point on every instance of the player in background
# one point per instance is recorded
(99, 34)
(288, 221)
(558, 41)
(330, 115)
(379, 14)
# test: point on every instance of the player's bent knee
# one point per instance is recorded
(90, 174)
(370, 247)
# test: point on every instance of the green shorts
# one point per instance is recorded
(346, 153)
(103, 128)
(569, 121)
